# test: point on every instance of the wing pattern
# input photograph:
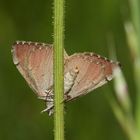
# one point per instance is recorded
(35, 62)
(94, 71)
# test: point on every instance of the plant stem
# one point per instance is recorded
(135, 13)
(58, 69)
(125, 122)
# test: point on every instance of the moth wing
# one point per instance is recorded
(94, 71)
(35, 62)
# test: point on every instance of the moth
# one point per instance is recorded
(83, 72)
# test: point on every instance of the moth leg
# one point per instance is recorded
(48, 109)
(42, 97)
(45, 98)
(48, 90)
(49, 106)
(49, 101)
(49, 93)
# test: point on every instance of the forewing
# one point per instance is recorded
(94, 71)
(35, 62)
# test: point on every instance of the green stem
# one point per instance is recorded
(125, 122)
(135, 13)
(58, 69)
(121, 105)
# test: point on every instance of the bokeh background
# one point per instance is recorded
(91, 25)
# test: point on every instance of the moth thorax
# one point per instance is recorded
(69, 79)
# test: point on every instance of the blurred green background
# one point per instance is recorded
(88, 25)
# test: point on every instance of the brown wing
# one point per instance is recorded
(94, 71)
(35, 62)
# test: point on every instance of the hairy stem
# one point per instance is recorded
(58, 69)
